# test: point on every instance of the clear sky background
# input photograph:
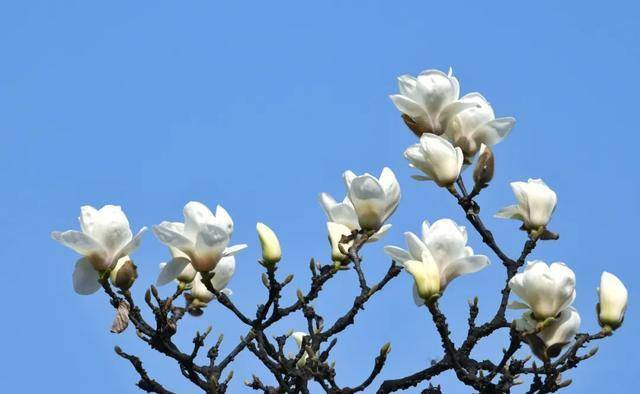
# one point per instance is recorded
(259, 106)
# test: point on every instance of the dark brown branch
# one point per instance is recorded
(146, 383)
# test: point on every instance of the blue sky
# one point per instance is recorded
(259, 106)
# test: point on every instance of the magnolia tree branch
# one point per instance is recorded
(293, 376)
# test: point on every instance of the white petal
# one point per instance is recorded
(407, 85)
(562, 329)
(517, 305)
(85, 278)
(415, 244)
(380, 233)
(390, 185)
(110, 228)
(369, 200)
(493, 131)
(170, 235)
(223, 219)
(223, 272)
(446, 241)
(170, 271)
(510, 212)
(397, 254)
(232, 250)
(436, 90)
(78, 241)
(87, 218)
(211, 241)
(196, 214)
(348, 176)
(463, 266)
(131, 245)
(410, 108)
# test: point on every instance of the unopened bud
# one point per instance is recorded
(287, 280)
(483, 173)
(265, 280)
(271, 252)
(123, 274)
(300, 296)
(385, 349)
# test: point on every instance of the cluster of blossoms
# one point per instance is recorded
(454, 133)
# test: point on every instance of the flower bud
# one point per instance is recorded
(336, 231)
(613, 297)
(483, 173)
(271, 252)
(124, 273)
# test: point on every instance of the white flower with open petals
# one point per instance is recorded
(222, 275)
(374, 199)
(104, 238)
(427, 100)
(440, 161)
(369, 203)
(554, 336)
(613, 297)
(203, 236)
(536, 203)
(475, 124)
(439, 257)
(545, 289)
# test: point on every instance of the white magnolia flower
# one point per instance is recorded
(369, 202)
(104, 238)
(554, 336)
(436, 158)
(475, 124)
(536, 203)
(545, 289)
(179, 269)
(428, 100)
(203, 236)
(222, 276)
(271, 252)
(439, 257)
(613, 297)
(298, 336)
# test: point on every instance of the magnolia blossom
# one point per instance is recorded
(105, 237)
(545, 289)
(437, 158)
(428, 100)
(222, 275)
(439, 257)
(613, 297)
(179, 268)
(271, 252)
(374, 199)
(203, 236)
(536, 203)
(475, 124)
(298, 336)
(555, 335)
